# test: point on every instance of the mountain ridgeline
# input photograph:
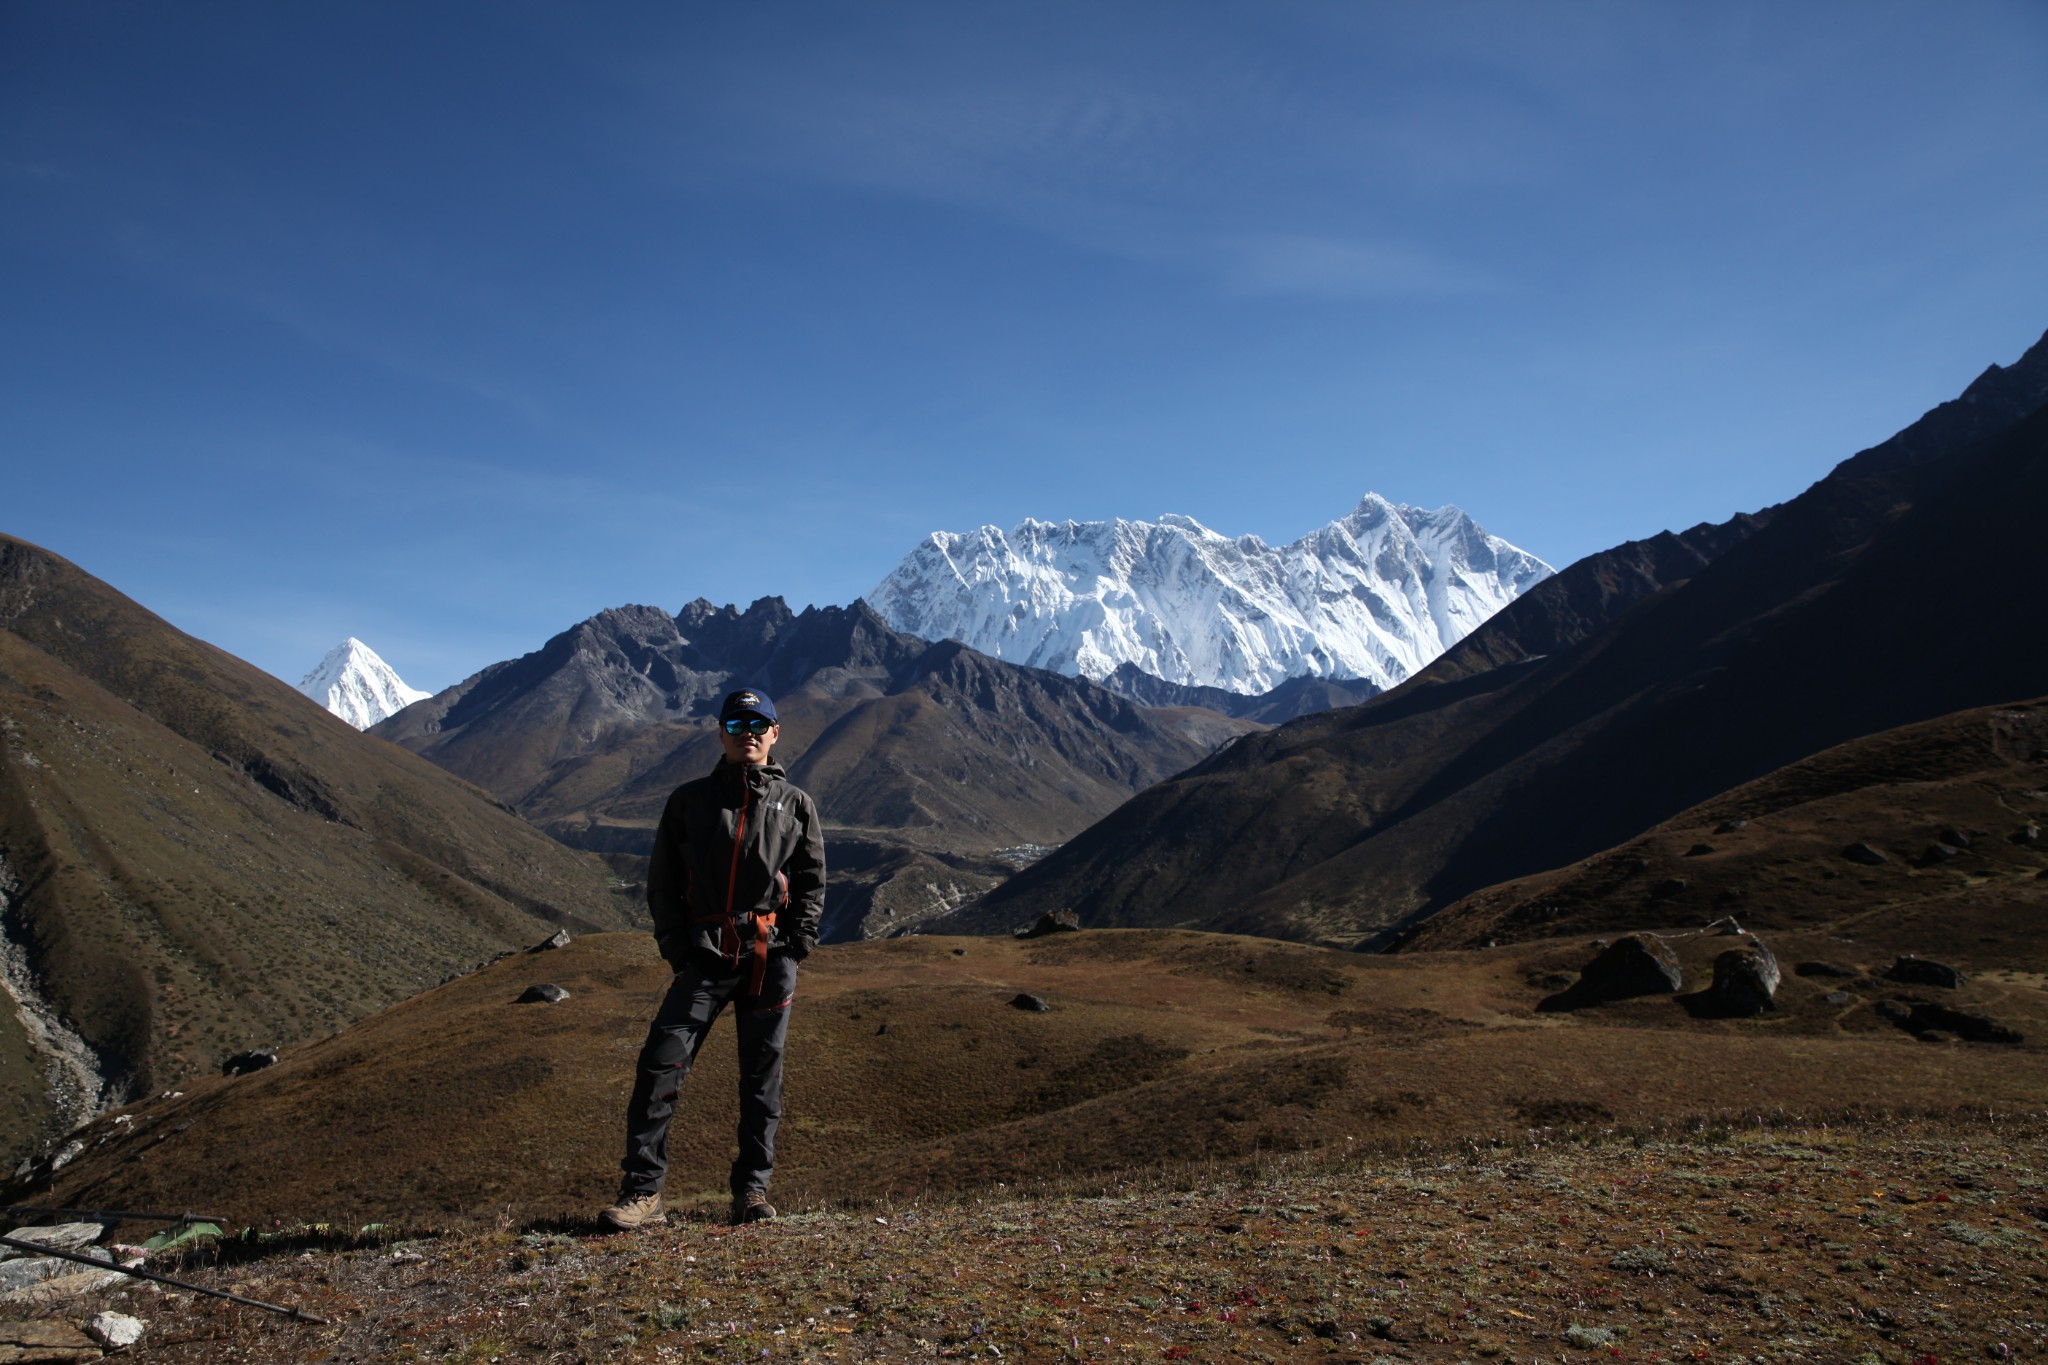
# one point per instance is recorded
(936, 766)
(1903, 586)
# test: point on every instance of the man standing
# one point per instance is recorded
(736, 887)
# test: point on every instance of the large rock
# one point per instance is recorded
(1745, 983)
(242, 1063)
(1928, 1018)
(1865, 854)
(1633, 965)
(1051, 922)
(1922, 971)
(546, 993)
(115, 1331)
(24, 1271)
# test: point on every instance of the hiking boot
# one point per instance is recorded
(633, 1211)
(751, 1207)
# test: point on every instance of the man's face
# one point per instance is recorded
(752, 743)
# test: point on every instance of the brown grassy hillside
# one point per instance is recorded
(912, 1074)
(196, 860)
(1949, 803)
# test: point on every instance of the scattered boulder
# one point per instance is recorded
(1024, 1000)
(1926, 1017)
(1922, 971)
(1950, 835)
(1051, 922)
(1635, 864)
(881, 1029)
(1939, 853)
(115, 1331)
(1897, 1011)
(2029, 833)
(1865, 854)
(1745, 983)
(45, 1340)
(546, 993)
(1633, 965)
(1837, 998)
(1699, 850)
(1669, 887)
(1822, 969)
(558, 939)
(1726, 927)
(1731, 827)
(242, 1063)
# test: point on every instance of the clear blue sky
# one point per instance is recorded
(446, 325)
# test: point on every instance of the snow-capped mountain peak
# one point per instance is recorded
(356, 685)
(1375, 595)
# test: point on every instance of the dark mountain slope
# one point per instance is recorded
(195, 859)
(916, 752)
(1889, 592)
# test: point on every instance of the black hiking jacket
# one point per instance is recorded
(737, 843)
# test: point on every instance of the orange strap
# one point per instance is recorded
(763, 924)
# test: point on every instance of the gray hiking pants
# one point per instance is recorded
(699, 993)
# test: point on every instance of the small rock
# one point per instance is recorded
(1051, 922)
(881, 1029)
(115, 1330)
(2029, 833)
(1669, 887)
(1939, 853)
(242, 1063)
(1837, 998)
(1726, 927)
(1731, 827)
(558, 939)
(1822, 969)
(959, 952)
(1922, 971)
(547, 993)
(1745, 982)
(1023, 1000)
(1950, 835)
(1635, 864)
(1865, 854)
(1699, 850)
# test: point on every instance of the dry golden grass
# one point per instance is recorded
(911, 1075)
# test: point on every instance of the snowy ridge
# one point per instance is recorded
(356, 685)
(1374, 595)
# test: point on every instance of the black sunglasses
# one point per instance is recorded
(748, 725)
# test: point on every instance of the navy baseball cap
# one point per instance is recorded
(746, 702)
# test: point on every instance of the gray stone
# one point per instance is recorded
(24, 1271)
(547, 993)
(1955, 838)
(1699, 850)
(1669, 887)
(115, 1331)
(2029, 833)
(59, 1236)
(1024, 1000)
(1837, 998)
(1745, 982)
(1731, 827)
(1922, 971)
(559, 939)
(1940, 853)
(1865, 854)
